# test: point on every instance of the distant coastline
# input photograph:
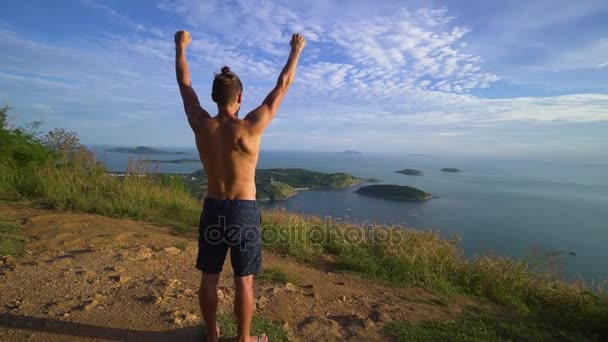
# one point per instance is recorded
(280, 184)
(175, 161)
(141, 150)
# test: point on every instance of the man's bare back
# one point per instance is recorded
(229, 149)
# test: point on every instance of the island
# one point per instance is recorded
(394, 192)
(140, 150)
(451, 169)
(280, 184)
(175, 161)
(410, 172)
(351, 152)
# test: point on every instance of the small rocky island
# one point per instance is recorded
(140, 150)
(451, 169)
(394, 192)
(280, 184)
(175, 161)
(410, 172)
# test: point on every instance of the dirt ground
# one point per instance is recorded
(87, 277)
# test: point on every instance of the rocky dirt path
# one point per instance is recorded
(88, 277)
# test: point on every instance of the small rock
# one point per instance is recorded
(121, 279)
(143, 254)
(191, 317)
(191, 293)
(262, 302)
(290, 287)
(118, 269)
(94, 302)
(91, 305)
(277, 290)
(320, 329)
(180, 317)
(342, 298)
(173, 282)
(158, 300)
(368, 324)
(14, 305)
(172, 250)
(8, 260)
(175, 313)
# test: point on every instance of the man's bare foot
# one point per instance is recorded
(211, 338)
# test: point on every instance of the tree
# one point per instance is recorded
(4, 117)
(61, 141)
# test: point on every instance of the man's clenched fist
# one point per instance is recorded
(182, 39)
(297, 42)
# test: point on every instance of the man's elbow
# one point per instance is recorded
(284, 83)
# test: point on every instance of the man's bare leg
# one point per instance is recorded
(243, 306)
(207, 297)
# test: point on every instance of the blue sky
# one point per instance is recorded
(484, 78)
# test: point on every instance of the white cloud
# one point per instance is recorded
(372, 78)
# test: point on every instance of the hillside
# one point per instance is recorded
(87, 276)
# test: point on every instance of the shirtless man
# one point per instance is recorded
(229, 148)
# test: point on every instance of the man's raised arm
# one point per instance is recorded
(261, 116)
(192, 106)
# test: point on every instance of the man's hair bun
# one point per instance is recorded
(225, 70)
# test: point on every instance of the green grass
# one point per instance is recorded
(481, 329)
(8, 225)
(259, 326)
(10, 244)
(181, 245)
(275, 275)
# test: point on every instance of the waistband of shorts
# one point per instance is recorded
(225, 203)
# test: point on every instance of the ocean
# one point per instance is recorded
(502, 207)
